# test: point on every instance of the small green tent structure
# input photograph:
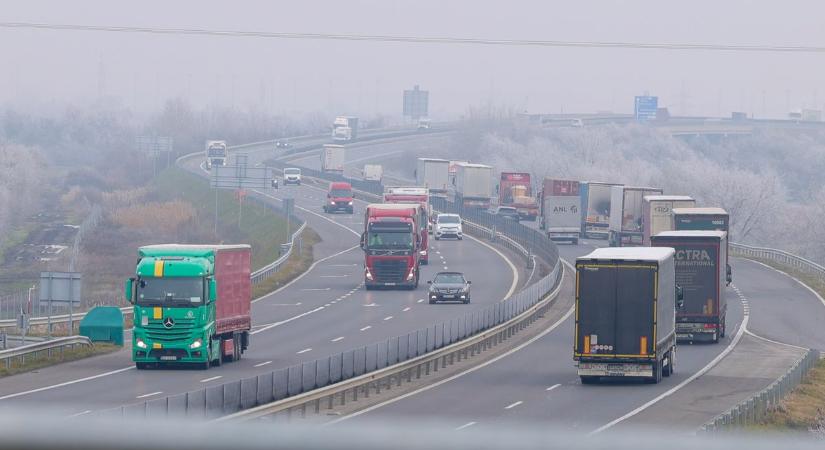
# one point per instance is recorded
(103, 323)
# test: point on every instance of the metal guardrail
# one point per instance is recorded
(408, 353)
(273, 267)
(779, 256)
(46, 346)
(758, 406)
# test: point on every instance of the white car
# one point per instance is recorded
(292, 175)
(448, 225)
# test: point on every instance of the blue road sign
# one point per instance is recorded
(645, 107)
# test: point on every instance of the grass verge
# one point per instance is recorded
(298, 263)
(34, 362)
(803, 410)
(250, 223)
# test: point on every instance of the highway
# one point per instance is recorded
(327, 310)
(323, 312)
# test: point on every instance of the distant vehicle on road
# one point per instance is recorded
(576, 123)
(448, 225)
(339, 198)
(216, 154)
(507, 213)
(282, 144)
(449, 286)
(424, 123)
(292, 175)
(345, 129)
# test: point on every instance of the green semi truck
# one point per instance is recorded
(191, 304)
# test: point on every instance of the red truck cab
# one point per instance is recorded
(391, 243)
(417, 196)
(339, 197)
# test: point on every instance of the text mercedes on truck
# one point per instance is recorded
(391, 244)
(191, 304)
(417, 196)
(626, 302)
(701, 273)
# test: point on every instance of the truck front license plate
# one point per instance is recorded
(169, 358)
(449, 296)
(389, 284)
(614, 367)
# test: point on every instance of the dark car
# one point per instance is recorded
(507, 213)
(449, 286)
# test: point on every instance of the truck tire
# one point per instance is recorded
(668, 370)
(587, 379)
(722, 328)
(467, 301)
(657, 373)
(575, 242)
(236, 341)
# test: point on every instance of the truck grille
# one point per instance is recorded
(181, 330)
(390, 270)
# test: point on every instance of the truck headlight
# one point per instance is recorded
(411, 275)
(350, 203)
(139, 342)
(423, 252)
(368, 274)
(332, 202)
(197, 343)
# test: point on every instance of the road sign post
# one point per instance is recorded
(60, 287)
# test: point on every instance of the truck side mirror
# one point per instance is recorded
(429, 281)
(213, 290)
(129, 287)
(363, 242)
(680, 297)
(728, 275)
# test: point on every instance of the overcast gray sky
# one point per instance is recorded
(48, 68)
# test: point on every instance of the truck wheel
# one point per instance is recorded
(432, 301)
(467, 301)
(575, 242)
(657, 373)
(437, 238)
(667, 370)
(236, 341)
(587, 379)
(722, 332)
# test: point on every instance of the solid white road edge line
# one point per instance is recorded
(671, 391)
(67, 383)
(471, 369)
(513, 268)
(466, 425)
(552, 387)
(816, 294)
(206, 380)
(513, 405)
(149, 394)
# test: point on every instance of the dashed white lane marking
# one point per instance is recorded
(315, 289)
(303, 351)
(466, 425)
(445, 267)
(286, 304)
(513, 405)
(333, 276)
(327, 304)
(339, 338)
(366, 328)
(406, 309)
(263, 363)
(420, 300)
(81, 413)
(207, 380)
(371, 304)
(388, 318)
(552, 387)
(273, 325)
(149, 394)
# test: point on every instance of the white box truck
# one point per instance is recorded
(332, 158)
(657, 213)
(626, 214)
(434, 174)
(473, 185)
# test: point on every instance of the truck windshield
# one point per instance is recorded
(391, 240)
(217, 151)
(171, 291)
(340, 193)
(292, 171)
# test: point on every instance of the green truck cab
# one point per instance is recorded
(191, 304)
